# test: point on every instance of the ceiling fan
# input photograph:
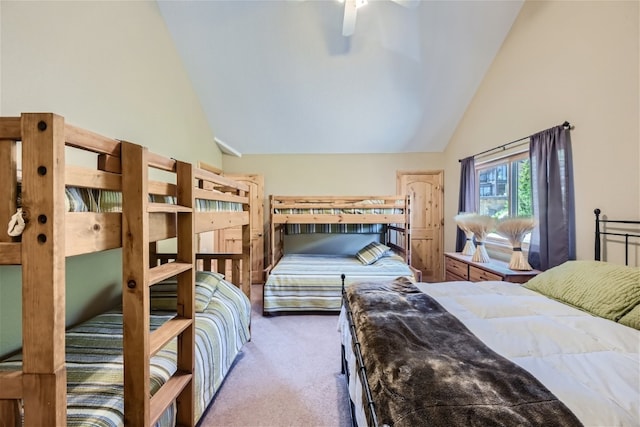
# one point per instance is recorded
(350, 12)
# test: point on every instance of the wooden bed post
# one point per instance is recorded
(272, 235)
(407, 230)
(43, 270)
(186, 288)
(246, 259)
(135, 292)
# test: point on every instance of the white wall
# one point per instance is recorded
(575, 61)
(109, 67)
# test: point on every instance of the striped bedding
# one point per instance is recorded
(111, 201)
(291, 229)
(94, 378)
(338, 228)
(311, 282)
(79, 199)
(336, 211)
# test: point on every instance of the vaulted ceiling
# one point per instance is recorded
(278, 77)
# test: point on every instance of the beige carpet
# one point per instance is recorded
(288, 375)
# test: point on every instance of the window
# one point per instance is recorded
(504, 189)
(505, 186)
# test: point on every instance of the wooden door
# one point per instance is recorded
(232, 239)
(427, 220)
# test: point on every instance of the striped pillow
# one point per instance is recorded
(164, 296)
(372, 252)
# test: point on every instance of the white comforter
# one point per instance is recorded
(591, 364)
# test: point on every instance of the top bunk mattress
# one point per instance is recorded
(337, 212)
(80, 199)
(361, 208)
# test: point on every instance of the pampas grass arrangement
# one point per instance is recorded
(460, 220)
(515, 229)
(480, 226)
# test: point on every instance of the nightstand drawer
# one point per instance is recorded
(479, 275)
(460, 267)
(456, 268)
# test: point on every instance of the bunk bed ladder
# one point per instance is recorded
(140, 345)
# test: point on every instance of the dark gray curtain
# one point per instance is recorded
(467, 197)
(553, 241)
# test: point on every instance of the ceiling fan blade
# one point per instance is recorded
(349, 23)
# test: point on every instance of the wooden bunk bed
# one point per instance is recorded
(306, 282)
(184, 202)
(559, 350)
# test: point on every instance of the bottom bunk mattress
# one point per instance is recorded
(311, 282)
(95, 369)
(539, 361)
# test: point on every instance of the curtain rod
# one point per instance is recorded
(504, 146)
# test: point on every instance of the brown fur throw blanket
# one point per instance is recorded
(425, 368)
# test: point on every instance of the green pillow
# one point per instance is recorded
(164, 296)
(600, 288)
(372, 252)
(632, 318)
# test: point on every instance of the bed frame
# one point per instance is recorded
(619, 228)
(52, 234)
(326, 210)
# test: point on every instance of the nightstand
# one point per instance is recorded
(460, 267)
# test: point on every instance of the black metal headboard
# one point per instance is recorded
(618, 232)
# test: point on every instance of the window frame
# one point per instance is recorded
(494, 242)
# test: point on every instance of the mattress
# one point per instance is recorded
(311, 282)
(94, 378)
(80, 199)
(591, 364)
(338, 228)
(359, 208)
(292, 229)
